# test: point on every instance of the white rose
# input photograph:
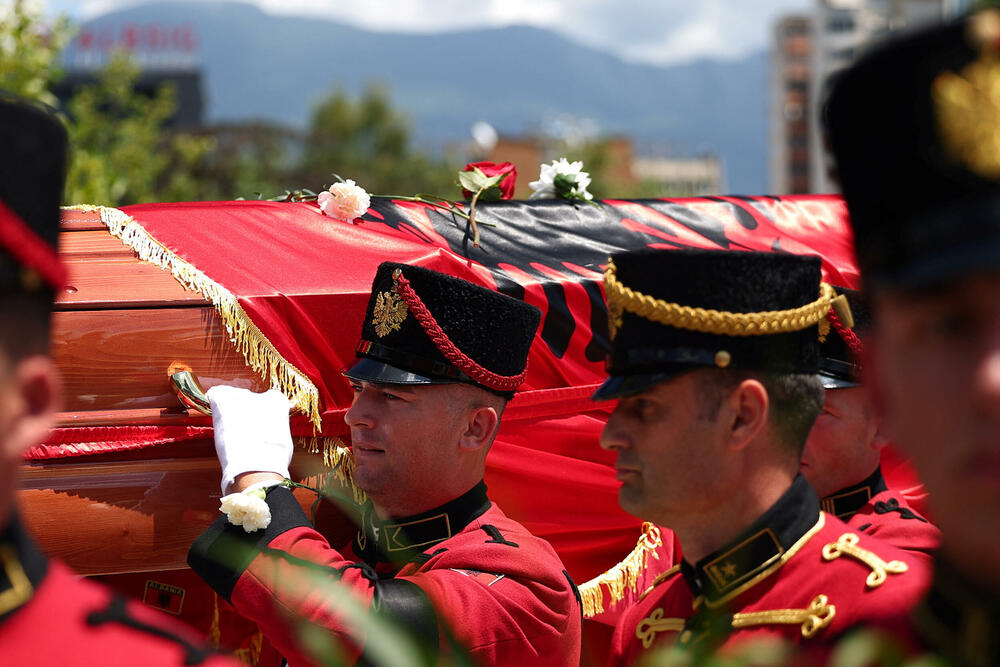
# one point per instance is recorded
(346, 201)
(545, 187)
(247, 509)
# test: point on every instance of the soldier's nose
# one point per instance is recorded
(613, 436)
(986, 383)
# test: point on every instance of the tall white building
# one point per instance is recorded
(840, 31)
(790, 119)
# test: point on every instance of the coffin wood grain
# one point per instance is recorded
(113, 517)
(119, 360)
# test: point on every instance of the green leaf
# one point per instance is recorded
(473, 181)
(564, 185)
(492, 193)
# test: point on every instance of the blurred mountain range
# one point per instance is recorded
(520, 79)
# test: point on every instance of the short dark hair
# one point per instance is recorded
(796, 400)
(25, 323)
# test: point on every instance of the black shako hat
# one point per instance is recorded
(425, 327)
(32, 175)
(673, 311)
(840, 353)
(914, 128)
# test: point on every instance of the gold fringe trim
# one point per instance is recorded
(624, 575)
(335, 456)
(259, 353)
(214, 632)
(250, 655)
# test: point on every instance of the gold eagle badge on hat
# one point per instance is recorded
(967, 104)
(390, 310)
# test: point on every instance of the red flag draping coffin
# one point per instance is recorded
(302, 279)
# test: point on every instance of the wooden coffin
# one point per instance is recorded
(128, 518)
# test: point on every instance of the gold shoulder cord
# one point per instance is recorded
(654, 623)
(813, 618)
(622, 298)
(847, 545)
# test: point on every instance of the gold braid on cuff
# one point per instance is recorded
(622, 298)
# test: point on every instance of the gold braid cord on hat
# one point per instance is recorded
(622, 298)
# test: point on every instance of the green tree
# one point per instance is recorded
(248, 160)
(368, 141)
(30, 50)
(122, 152)
(120, 149)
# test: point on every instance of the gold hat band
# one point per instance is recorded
(622, 298)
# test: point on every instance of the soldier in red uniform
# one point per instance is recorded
(49, 616)
(714, 364)
(842, 453)
(913, 128)
(438, 359)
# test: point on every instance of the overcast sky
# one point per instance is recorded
(652, 31)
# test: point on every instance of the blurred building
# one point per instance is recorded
(620, 171)
(789, 116)
(165, 54)
(834, 35)
(681, 177)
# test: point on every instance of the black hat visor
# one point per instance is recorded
(622, 386)
(379, 372)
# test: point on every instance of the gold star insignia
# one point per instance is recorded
(728, 570)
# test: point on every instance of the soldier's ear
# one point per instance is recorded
(880, 439)
(31, 399)
(481, 426)
(749, 407)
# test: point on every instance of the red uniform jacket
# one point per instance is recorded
(49, 616)
(872, 508)
(463, 573)
(796, 573)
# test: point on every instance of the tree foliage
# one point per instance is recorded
(29, 51)
(365, 139)
(122, 152)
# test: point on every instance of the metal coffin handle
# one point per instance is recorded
(190, 393)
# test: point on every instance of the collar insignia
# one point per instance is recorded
(845, 503)
(765, 546)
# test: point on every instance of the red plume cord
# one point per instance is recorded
(21, 243)
(447, 348)
(848, 335)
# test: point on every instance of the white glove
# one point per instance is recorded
(251, 431)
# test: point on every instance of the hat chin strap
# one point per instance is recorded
(446, 347)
